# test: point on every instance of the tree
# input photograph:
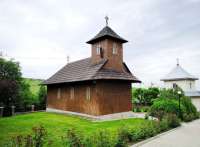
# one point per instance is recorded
(171, 93)
(10, 78)
(42, 96)
(145, 96)
(26, 97)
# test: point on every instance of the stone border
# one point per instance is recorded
(108, 117)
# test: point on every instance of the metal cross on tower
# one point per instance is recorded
(177, 60)
(106, 18)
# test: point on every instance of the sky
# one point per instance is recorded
(40, 34)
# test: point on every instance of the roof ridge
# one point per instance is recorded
(105, 60)
(78, 60)
(65, 67)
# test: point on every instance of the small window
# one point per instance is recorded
(59, 93)
(190, 85)
(98, 49)
(72, 93)
(88, 93)
(175, 85)
(114, 48)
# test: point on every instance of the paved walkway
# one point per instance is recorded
(188, 135)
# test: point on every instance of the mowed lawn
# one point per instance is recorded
(57, 124)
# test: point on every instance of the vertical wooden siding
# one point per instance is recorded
(106, 97)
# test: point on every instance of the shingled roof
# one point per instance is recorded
(178, 73)
(83, 70)
(107, 32)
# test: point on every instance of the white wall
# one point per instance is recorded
(196, 102)
(184, 84)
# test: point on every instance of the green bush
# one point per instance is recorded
(171, 93)
(189, 117)
(191, 111)
(38, 138)
(172, 120)
(145, 131)
(143, 96)
(163, 125)
(103, 138)
(122, 137)
(145, 109)
(72, 138)
(163, 106)
(190, 108)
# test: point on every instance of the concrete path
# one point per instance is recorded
(188, 135)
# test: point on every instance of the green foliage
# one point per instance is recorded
(38, 138)
(140, 108)
(122, 137)
(25, 95)
(147, 130)
(163, 125)
(72, 138)
(163, 106)
(36, 93)
(191, 111)
(15, 90)
(187, 103)
(171, 93)
(42, 96)
(34, 85)
(189, 117)
(172, 120)
(144, 96)
(10, 69)
(102, 138)
(170, 104)
(10, 78)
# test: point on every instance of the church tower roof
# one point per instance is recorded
(178, 73)
(106, 32)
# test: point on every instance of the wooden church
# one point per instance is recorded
(98, 85)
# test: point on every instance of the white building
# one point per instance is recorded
(178, 76)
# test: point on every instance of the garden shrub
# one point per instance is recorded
(163, 106)
(38, 138)
(103, 138)
(172, 120)
(146, 116)
(189, 117)
(191, 111)
(163, 125)
(190, 108)
(143, 96)
(145, 131)
(72, 138)
(145, 108)
(122, 137)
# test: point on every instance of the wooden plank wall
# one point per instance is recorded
(106, 97)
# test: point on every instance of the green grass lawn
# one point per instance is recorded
(57, 124)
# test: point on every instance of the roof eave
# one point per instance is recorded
(132, 80)
(178, 79)
(103, 37)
